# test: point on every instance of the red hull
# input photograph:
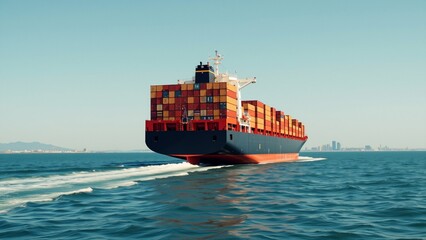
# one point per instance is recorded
(218, 159)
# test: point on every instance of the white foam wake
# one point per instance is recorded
(309, 159)
(19, 191)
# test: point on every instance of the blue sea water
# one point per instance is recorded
(341, 195)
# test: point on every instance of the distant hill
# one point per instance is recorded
(30, 146)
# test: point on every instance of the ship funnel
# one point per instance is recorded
(204, 73)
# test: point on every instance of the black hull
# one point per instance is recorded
(223, 147)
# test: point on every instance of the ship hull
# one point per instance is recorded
(224, 147)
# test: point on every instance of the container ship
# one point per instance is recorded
(204, 121)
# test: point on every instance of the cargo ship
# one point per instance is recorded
(205, 122)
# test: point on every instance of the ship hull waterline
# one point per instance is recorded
(224, 147)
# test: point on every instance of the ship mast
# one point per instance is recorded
(239, 83)
(217, 61)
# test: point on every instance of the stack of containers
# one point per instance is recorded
(299, 130)
(281, 121)
(289, 125)
(259, 118)
(268, 119)
(250, 110)
(273, 119)
(295, 123)
(199, 101)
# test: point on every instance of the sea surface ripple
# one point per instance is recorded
(341, 195)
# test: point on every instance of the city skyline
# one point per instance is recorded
(336, 146)
(77, 74)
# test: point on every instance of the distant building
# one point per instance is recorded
(334, 145)
(339, 147)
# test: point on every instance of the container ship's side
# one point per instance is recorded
(204, 121)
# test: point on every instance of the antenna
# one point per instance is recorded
(217, 61)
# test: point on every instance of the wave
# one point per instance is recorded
(309, 159)
(19, 191)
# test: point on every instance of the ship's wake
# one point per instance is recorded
(309, 159)
(19, 191)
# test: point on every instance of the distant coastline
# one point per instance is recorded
(363, 150)
(38, 147)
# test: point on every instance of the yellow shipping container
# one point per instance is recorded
(203, 92)
(171, 94)
(231, 100)
(165, 101)
(159, 88)
(190, 113)
(222, 99)
(232, 87)
(153, 88)
(202, 99)
(165, 114)
(231, 107)
(216, 112)
(153, 95)
(159, 107)
(223, 92)
(190, 99)
(190, 87)
(171, 100)
(209, 86)
(249, 106)
(184, 87)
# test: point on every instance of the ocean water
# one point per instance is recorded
(344, 195)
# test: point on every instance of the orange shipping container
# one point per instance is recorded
(216, 85)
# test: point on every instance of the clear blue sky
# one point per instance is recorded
(77, 73)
